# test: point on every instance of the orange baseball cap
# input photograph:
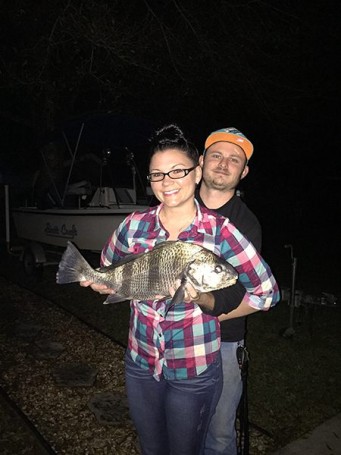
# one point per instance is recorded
(230, 135)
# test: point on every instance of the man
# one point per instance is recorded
(225, 163)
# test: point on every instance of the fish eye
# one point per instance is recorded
(218, 269)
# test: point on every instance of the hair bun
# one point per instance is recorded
(168, 135)
(172, 137)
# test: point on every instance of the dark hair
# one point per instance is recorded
(171, 137)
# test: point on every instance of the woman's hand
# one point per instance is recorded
(191, 294)
(205, 300)
(100, 288)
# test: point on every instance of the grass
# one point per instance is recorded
(294, 383)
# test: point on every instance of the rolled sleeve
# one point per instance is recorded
(255, 275)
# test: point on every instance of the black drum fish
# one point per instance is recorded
(146, 275)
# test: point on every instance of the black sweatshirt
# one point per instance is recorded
(229, 298)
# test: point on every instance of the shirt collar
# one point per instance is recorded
(199, 223)
(202, 222)
(157, 216)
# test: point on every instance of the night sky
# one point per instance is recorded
(268, 68)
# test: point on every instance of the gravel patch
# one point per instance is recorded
(37, 339)
(61, 411)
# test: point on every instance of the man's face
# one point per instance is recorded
(224, 165)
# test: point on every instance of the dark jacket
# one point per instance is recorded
(229, 298)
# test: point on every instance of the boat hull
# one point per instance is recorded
(89, 228)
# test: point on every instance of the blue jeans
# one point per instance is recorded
(172, 416)
(222, 437)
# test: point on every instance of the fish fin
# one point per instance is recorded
(179, 295)
(133, 257)
(115, 298)
(72, 267)
(165, 244)
(124, 260)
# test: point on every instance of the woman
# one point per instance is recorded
(173, 365)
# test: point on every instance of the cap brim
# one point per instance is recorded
(243, 143)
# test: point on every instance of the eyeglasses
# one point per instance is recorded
(174, 174)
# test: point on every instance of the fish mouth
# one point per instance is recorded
(232, 280)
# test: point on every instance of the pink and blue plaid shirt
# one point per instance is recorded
(180, 342)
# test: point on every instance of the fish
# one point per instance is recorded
(147, 275)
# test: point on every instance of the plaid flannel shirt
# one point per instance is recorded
(180, 342)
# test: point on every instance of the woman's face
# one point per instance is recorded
(174, 192)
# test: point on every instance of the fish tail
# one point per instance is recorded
(73, 267)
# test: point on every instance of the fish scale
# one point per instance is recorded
(137, 274)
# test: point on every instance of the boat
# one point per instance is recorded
(76, 211)
(88, 227)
